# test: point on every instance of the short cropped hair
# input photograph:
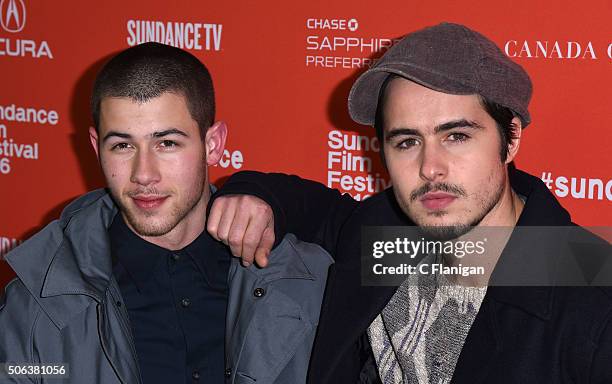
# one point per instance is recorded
(147, 71)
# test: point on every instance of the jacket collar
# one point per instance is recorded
(484, 340)
(280, 267)
(68, 263)
(541, 209)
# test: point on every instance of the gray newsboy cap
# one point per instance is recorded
(449, 58)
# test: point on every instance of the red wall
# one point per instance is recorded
(282, 72)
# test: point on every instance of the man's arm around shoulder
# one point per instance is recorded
(308, 209)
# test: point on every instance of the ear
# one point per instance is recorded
(513, 145)
(93, 139)
(215, 142)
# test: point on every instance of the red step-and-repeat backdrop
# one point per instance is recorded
(282, 71)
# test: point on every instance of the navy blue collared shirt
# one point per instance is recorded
(176, 302)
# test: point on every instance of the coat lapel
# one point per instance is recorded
(347, 312)
(115, 340)
(66, 266)
(77, 273)
(277, 324)
(350, 307)
(482, 346)
(524, 255)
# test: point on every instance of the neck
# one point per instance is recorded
(507, 210)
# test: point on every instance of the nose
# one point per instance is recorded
(434, 165)
(145, 169)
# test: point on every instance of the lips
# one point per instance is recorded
(149, 202)
(437, 200)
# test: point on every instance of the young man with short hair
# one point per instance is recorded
(127, 286)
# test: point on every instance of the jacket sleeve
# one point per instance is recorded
(16, 322)
(601, 368)
(310, 210)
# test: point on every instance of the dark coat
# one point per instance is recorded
(520, 335)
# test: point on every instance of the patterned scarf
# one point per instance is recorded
(418, 336)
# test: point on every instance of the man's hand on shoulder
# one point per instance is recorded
(245, 224)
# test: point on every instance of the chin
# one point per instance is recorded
(152, 229)
(446, 231)
(438, 226)
(151, 223)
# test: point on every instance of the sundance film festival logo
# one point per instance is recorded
(13, 15)
(350, 164)
(13, 20)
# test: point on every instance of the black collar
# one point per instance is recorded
(140, 258)
(541, 209)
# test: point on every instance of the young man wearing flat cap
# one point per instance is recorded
(449, 108)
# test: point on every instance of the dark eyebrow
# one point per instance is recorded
(401, 132)
(171, 131)
(461, 123)
(116, 134)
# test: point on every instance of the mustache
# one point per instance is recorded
(144, 191)
(442, 187)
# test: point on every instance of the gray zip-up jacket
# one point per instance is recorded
(65, 307)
